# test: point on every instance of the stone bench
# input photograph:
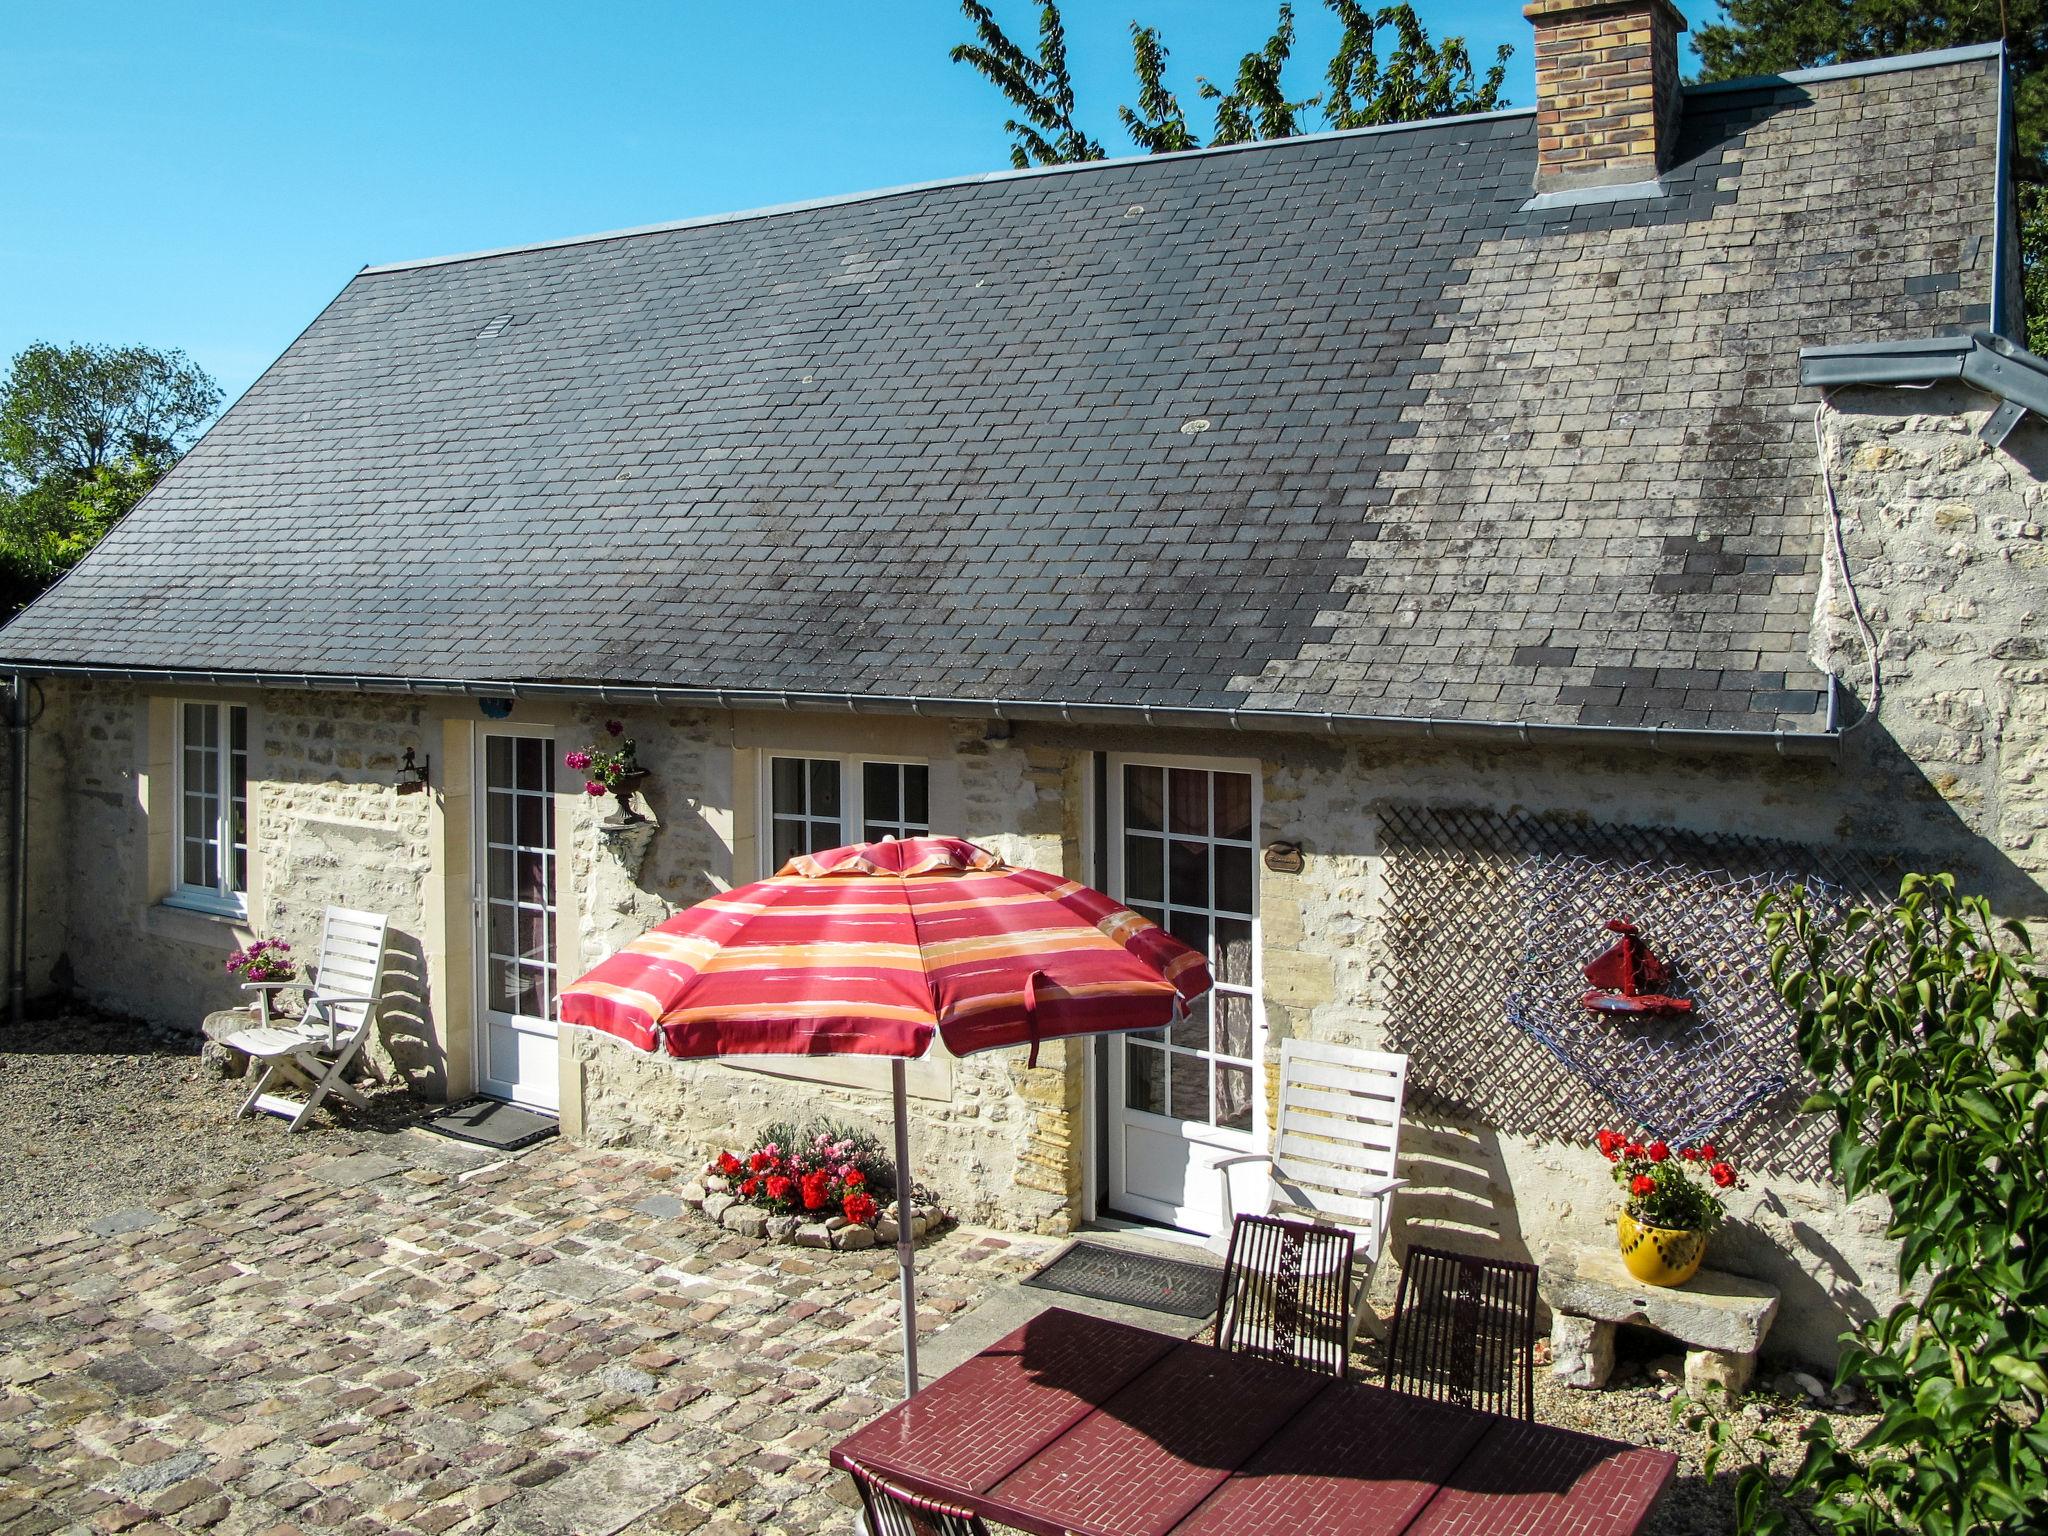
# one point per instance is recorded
(1720, 1318)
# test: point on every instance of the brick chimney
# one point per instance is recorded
(1607, 91)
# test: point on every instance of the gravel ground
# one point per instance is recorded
(101, 1115)
(1636, 1408)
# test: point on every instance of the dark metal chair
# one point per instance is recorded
(893, 1511)
(1465, 1332)
(1287, 1293)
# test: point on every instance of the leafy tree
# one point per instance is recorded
(1259, 108)
(1760, 37)
(1418, 79)
(85, 431)
(1927, 1025)
(1158, 127)
(1041, 88)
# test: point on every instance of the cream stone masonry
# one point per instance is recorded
(1947, 545)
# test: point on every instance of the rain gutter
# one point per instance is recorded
(1984, 361)
(1660, 738)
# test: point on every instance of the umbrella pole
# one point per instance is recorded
(906, 1246)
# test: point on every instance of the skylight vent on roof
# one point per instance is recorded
(498, 323)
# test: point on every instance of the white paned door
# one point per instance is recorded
(1182, 853)
(517, 941)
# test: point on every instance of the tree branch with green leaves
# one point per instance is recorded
(1041, 88)
(1926, 1026)
(1418, 78)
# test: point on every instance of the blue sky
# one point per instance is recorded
(208, 176)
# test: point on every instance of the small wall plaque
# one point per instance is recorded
(1284, 858)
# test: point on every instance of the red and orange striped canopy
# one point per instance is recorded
(873, 949)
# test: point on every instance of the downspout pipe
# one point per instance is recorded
(17, 850)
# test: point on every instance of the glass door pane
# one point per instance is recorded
(519, 876)
(1187, 866)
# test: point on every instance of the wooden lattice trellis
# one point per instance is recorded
(1488, 919)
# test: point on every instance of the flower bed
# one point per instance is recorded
(824, 1187)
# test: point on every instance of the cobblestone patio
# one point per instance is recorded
(380, 1342)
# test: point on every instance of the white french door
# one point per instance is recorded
(517, 942)
(1182, 846)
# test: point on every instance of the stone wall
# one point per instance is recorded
(1946, 551)
(48, 818)
(997, 1140)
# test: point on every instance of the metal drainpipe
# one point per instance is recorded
(17, 843)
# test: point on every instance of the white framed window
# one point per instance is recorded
(822, 802)
(210, 835)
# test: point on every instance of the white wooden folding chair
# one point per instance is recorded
(1333, 1152)
(316, 1051)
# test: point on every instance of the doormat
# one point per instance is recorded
(493, 1123)
(1177, 1286)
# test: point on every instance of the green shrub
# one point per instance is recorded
(1925, 1024)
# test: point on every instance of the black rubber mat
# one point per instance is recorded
(493, 1123)
(1135, 1279)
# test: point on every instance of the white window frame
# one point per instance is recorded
(222, 898)
(852, 791)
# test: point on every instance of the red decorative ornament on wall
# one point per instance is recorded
(1626, 978)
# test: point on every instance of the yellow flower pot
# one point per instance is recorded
(1660, 1255)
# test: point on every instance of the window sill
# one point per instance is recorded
(214, 928)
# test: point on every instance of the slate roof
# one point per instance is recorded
(1334, 424)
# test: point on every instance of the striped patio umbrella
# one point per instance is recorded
(879, 948)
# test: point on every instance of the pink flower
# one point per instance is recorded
(577, 760)
(592, 787)
(615, 727)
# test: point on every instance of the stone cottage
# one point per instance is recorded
(1381, 555)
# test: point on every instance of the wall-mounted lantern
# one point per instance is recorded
(495, 709)
(412, 774)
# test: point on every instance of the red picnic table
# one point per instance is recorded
(1073, 1426)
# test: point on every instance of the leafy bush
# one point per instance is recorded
(1927, 1024)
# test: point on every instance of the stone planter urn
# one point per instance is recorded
(622, 791)
(1659, 1255)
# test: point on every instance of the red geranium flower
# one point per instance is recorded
(1610, 1144)
(1690, 1154)
(760, 1162)
(860, 1208)
(1633, 1149)
(1722, 1174)
(728, 1164)
(855, 1179)
(1707, 1152)
(778, 1187)
(748, 1186)
(814, 1191)
(1642, 1184)
(1658, 1151)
